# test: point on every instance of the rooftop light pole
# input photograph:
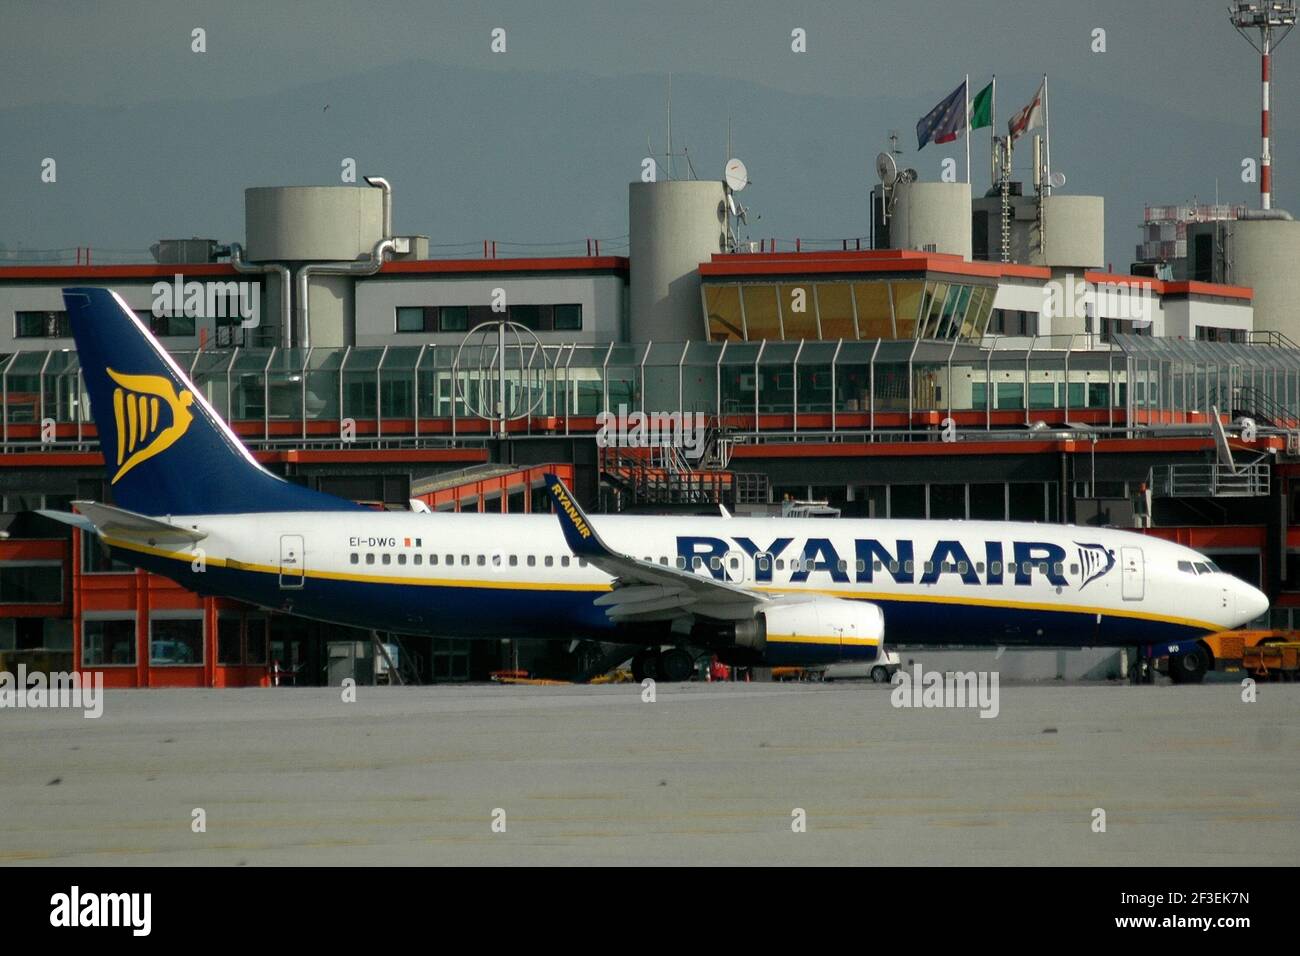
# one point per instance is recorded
(1273, 19)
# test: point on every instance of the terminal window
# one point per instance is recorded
(41, 325)
(255, 643)
(229, 642)
(568, 318)
(31, 583)
(453, 318)
(413, 318)
(108, 642)
(176, 641)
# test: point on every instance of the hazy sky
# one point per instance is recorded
(544, 136)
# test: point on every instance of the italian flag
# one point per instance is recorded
(981, 108)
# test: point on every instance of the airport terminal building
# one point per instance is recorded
(966, 360)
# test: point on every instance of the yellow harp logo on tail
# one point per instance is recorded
(141, 431)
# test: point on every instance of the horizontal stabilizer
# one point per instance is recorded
(112, 522)
(69, 518)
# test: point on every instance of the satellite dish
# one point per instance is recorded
(886, 169)
(736, 176)
(1057, 180)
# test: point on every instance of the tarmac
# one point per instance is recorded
(706, 773)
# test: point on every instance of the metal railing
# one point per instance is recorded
(1209, 480)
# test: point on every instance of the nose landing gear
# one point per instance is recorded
(1188, 667)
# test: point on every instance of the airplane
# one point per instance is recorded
(190, 502)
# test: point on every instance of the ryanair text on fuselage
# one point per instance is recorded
(998, 562)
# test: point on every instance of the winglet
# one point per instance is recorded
(578, 532)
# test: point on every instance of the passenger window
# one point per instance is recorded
(550, 561)
(681, 563)
(532, 560)
(929, 567)
(715, 563)
(843, 565)
(893, 566)
(735, 563)
(1074, 568)
(565, 561)
(909, 566)
(979, 567)
(451, 559)
(370, 559)
(482, 560)
(401, 559)
(464, 559)
(387, 559)
(514, 560)
(763, 562)
(663, 561)
(861, 566)
(418, 559)
(354, 558)
(962, 567)
(995, 567)
(780, 564)
(433, 559)
(582, 562)
(1059, 568)
(697, 562)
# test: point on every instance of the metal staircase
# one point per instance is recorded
(664, 475)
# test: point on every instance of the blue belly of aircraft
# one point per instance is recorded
(500, 612)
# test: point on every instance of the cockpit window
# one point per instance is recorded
(1202, 567)
(1186, 566)
(1214, 567)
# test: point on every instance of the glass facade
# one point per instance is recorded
(396, 393)
(834, 309)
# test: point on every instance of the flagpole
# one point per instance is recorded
(968, 133)
(993, 135)
(1047, 139)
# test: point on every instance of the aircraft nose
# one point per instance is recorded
(1251, 602)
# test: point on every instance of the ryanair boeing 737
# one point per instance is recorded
(763, 590)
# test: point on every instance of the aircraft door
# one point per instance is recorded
(292, 561)
(1132, 574)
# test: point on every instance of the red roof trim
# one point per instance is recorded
(1163, 287)
(545, 264)
(142, 271)
(906, 260)
(876, 260)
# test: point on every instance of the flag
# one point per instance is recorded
(945, 122)
(1027, 118)
(981, 108)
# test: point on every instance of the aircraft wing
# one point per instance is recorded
(643, 590)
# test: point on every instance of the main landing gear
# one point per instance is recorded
(673, 666)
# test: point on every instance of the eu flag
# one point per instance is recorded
(945, 122)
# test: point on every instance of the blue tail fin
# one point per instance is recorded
(165, 450)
